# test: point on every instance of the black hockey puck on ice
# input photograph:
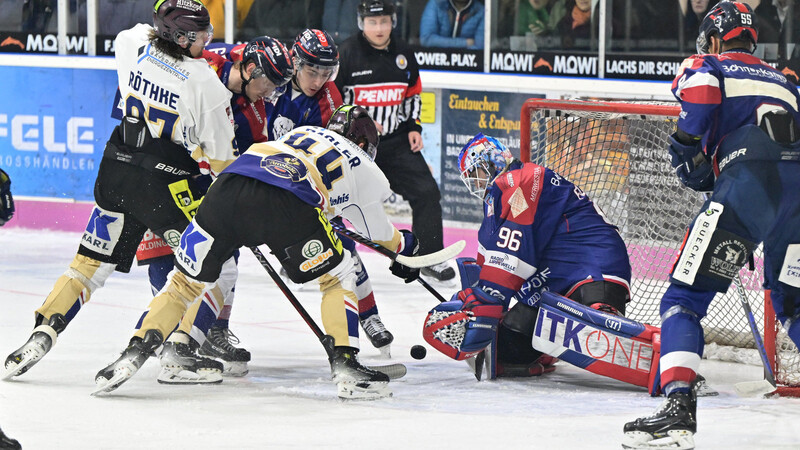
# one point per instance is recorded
(418, 352)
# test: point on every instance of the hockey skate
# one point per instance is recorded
(673, 425)
(128, 363)
(219, 345)
(180, 364)
(8, 443)
(353, 380)
(378, 335)
(42, 339)
(441, 273)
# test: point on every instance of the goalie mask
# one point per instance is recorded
(481, 161)
(728, 20)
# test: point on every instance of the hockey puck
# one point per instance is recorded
(418, 352)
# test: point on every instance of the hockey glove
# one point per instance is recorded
(410, 248)
(462, 328)
(6, 200)
(691, 165)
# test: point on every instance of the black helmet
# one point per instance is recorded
(354, 123)
(179, 21)
(729, 20)
(271, 59)
(372, 8)
(316, 48)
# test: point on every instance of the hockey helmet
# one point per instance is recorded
(729, 20)
(481, 161)
(180, 21)
(373, 8)
(355, 123)
(316, 49)
(272, 60)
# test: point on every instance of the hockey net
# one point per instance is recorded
(617, 153)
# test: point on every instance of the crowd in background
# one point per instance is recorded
(668, 26)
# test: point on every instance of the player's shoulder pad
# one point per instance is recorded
(521, 190)
(215, 60)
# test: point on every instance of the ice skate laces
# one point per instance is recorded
(373, 325)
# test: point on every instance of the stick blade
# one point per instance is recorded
(754, 388)
(431, 259)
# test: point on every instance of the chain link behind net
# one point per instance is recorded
(621, 161)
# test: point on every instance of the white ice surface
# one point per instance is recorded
(287, 400)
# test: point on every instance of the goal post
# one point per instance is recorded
(617, 153)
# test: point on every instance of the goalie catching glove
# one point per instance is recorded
(465, 325)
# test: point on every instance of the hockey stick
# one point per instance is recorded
(394, 371)
(414, 262)
(767, 385)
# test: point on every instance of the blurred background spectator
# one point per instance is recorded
(281, 19)
(339, 18)
(693, 12)
(116, 15)
(452, 23)
(216, 9)
(539, 17)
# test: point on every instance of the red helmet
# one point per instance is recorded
(179, 21)
(728, 20)
(316, 48)
(354, 123)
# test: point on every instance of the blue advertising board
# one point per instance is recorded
(54, 123)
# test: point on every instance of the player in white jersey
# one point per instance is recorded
(177, 125)
(283, 194)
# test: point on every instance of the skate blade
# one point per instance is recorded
(233, 368)
(175, 375)
(386, 351)
(393, 371)
(678, 439)
(18, 369)
(352, 390)
(122, 373)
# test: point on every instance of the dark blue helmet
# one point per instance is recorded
(316, 48)
(272, 60)
(728, 20)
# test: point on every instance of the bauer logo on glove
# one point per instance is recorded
(462, 328)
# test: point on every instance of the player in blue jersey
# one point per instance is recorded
(737, 136)
(540, 233)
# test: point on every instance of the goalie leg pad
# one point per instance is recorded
(601, 343)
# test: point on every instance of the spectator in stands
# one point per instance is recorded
(539, 17)
(452, 23)
(576, 23)
(37, 15)
(114, 16)
(281, 19)
(216, 9)
(697, 9)
(339, 18)
(773, 24)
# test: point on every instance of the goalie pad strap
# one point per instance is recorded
(601, 343)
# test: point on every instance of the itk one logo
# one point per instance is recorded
(32, 133)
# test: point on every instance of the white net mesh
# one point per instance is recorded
(620, 159)
(453, 333)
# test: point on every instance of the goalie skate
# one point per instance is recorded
(353, 380)
(180, 364)
(41, 341)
